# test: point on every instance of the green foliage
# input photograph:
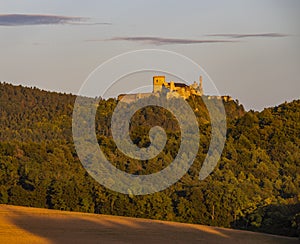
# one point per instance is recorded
(256, 185)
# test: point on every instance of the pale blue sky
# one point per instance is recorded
(259, 66)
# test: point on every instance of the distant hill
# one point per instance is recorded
(32, 225)
(255, 186)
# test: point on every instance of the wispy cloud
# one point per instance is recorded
(269, 35)
(164, 41)
(41, 19)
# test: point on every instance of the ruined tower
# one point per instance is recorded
(201, 85)
(158, 82)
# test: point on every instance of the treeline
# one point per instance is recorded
(255, 186)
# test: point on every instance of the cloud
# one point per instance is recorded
(270, 35)
(41, 19)
(164, 41)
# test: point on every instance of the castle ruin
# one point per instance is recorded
(177, 89)
(171, 89)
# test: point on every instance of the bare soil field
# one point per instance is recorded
(32, 225)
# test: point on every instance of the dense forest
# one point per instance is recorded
(255, 186)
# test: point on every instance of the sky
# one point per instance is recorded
(250, 49)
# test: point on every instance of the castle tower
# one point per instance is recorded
(201, 85)
(158, 82)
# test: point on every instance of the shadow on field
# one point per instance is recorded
(66, 227)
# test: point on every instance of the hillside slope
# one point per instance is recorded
(32, 225)
(255, 186)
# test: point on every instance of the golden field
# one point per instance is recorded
(32, 225)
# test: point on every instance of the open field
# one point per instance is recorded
(32, 225)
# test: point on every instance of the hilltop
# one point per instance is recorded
(255, 186)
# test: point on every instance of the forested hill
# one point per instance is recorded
(255, 186)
